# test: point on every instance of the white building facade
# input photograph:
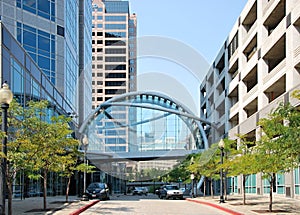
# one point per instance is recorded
(257, 68)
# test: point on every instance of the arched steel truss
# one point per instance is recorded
(155, 101)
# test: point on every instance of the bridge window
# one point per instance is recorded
(115, 141)
(116, 148)
(115, 133)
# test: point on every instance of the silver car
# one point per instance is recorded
(170, 191)
(140, 191)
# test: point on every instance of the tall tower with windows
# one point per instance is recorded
(113, 73)
(114, 65)
(114, 50)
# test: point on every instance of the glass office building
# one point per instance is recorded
(52, 32)
(46, 54)
(28, 82)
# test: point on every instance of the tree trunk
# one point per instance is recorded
(9, 182)
(68, 188)
(211, 188)
(244, 188)
(225, 187)
(45, 190)
(9, 189)
(271, 192)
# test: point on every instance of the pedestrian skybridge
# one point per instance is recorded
(142, 126)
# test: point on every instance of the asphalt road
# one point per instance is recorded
(149, 205)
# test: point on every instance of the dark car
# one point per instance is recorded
(169, 191)
(98, 190)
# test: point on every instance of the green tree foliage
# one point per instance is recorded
(39, 142)
(239, 160)
(206, 164)
(278, 149)
(181, 171)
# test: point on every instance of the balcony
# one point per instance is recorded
(279, 68)
(269, 6)
(251, 48)
(234, 109)
(271, 106)
(252, 92)
(275, 17)
(277, 89)
(249, 20)
(251, 107)
(233, 132)
(233, 84)
(249, 124)
(276, 55)
(233, 69)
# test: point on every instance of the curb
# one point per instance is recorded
(232, 212)
(80, 210)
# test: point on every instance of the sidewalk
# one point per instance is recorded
(254, 204)
(55, 205)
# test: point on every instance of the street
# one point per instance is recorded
(149, 205)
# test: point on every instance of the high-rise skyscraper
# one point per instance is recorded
(114, 50)
(114, 65)
(114, 73)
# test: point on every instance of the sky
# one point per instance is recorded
(178, 41)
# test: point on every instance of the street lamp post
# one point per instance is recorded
(6, 97)
(192, 178)
(85, 143)
(221, 146)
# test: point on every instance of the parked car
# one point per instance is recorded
(169, 191)
(140, 191)
(98, 190)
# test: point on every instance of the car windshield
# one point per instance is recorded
(171, 187)
(96, 185)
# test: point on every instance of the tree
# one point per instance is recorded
(39, 143)
(239, 160)
(278, 149)
(206, 164)
(182, 171)
(16, 156)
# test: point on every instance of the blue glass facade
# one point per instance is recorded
(43, 8)
(71, 51)
(116, 6)
(27, 81)
(41, 47)
(115, 26)
(115, 18)
(85, 59)
(40, 56)
(49, 32)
